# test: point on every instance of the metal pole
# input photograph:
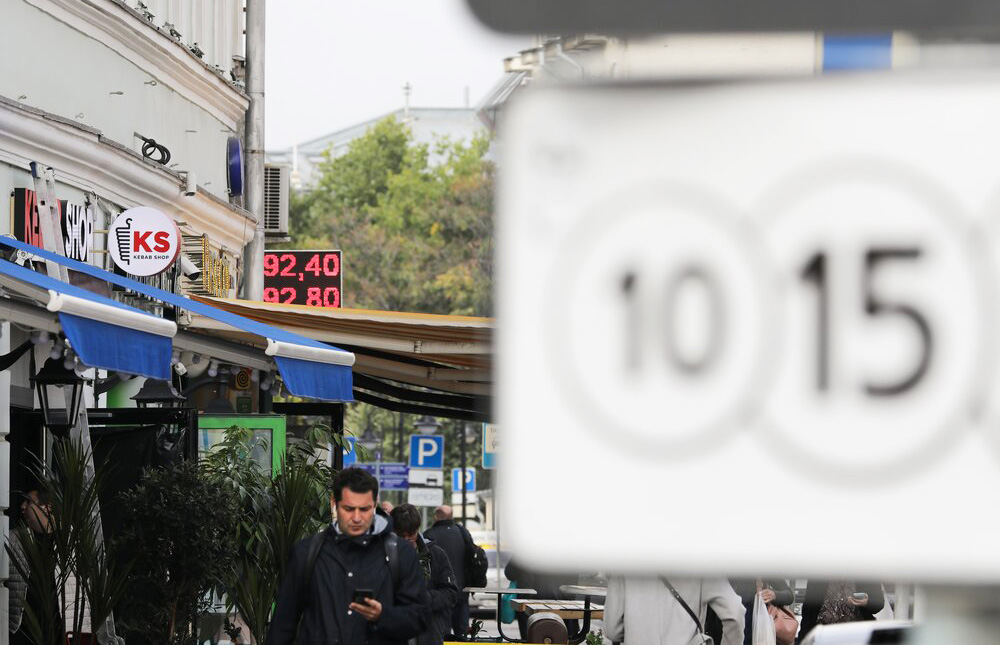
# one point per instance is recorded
(462, 479)
(253, 266)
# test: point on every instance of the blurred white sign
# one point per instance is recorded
(750, 328)
(425, 496)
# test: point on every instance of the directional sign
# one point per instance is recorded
(489, 446)
(391, 476)
(470, 479)
(350, 456)
(425, 496)
(426, 451)
(712, 282)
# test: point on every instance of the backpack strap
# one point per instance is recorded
(391, 544)
(679, 599)
(305, 580)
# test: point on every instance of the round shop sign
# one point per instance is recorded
(144, 241)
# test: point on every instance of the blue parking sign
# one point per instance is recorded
(470, 480)
(350, 457)
(426, 451)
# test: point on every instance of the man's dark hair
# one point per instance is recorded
(405, 519)
(43, 496)
(357, 480)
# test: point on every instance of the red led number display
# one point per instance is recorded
(303, 278)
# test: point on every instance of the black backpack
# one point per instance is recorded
(476, 564)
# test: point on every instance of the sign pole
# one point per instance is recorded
(462, 479)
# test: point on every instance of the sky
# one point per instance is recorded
(331, 64)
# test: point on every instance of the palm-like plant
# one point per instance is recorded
(279, 510)
(72, 550)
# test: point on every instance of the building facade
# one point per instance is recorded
(128, 105)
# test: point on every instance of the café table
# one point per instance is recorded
(588, 592)
(516, 591)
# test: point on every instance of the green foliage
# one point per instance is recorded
(277, 511)
(415, 236)
(182, 530)
(595, 638)
(475, 627)
(73, 548)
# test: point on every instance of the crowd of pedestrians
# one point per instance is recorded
(373, 578)
(659, 611)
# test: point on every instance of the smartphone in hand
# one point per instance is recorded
(360, 595)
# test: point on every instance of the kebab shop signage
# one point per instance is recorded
(144, 241)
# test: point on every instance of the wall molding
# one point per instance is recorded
(82, 158)
(127, 33)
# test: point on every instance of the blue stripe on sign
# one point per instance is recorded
(112, 347)
(853, 52)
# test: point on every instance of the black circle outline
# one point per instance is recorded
(876, 170)
(628, 200)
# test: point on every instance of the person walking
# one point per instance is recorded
(839, 601)
(355, 583)
(667, 611)
(774, 591)
(455, 541)
(36, 509)
(441, 590)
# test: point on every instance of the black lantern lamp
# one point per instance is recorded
(155, 393)
(52, 378)
(427, 425)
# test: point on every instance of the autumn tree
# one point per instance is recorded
(416, 235)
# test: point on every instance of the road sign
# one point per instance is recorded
(714, 286)
(350, 456)
(425, 496)
(426, 451)
(644, 16)
(426, 477)
(470, 479)
(391, 476)
(489, 446)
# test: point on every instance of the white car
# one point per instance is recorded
(860, 633)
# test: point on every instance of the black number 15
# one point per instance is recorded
(815, 273)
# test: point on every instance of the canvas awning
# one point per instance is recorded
(308, 367)
(422, 363)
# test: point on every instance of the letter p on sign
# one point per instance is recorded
(426, 451)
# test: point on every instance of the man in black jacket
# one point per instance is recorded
(317, 600)
(441, 589)
(453, 540)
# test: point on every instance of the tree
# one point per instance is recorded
(182, 534)
(416, 235)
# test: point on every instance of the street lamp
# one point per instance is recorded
(158, 394)
(427, 425)
(52, 379)
(372, 443)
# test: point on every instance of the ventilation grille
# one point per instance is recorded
(276, 200)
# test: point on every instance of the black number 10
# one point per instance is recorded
(815, 273)
(688, 277)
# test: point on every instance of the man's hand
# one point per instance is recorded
(858, 602)
(767, 595)
(371, 610)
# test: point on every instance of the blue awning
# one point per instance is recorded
(308, 367)
(102, 332)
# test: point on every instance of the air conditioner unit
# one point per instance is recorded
(276, 201)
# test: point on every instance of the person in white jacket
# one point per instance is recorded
(643, 610)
